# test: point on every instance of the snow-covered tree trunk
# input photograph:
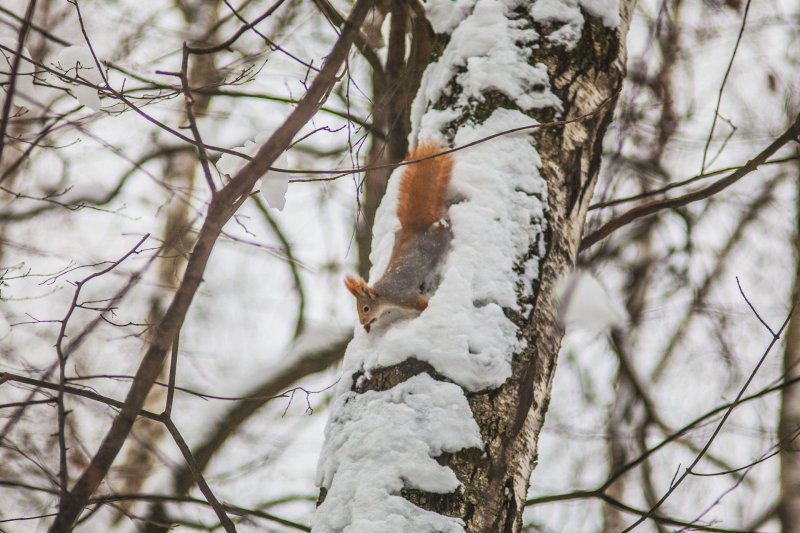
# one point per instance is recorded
(436, 419)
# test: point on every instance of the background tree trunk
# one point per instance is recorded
(789, 425)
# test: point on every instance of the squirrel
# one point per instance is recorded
(419, 244)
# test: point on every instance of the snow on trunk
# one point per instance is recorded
(436, 419)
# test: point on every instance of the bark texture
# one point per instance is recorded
(587, 79)
(511, 417)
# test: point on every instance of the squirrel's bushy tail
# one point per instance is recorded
(423, 188)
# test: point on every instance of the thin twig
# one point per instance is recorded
(173, 370)
(687, 471)
(198, 476)
(43, 384)
(63, 473)
(189, 101)
(241, 31)
(753, 309)
(272, 44)
(676, 184)
(722, 86)
(661, 519)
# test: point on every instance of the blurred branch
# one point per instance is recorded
(55, 121)
(688, 181)
(671, 203)
(86, 201)
(701, 293)
(111, 498)
(307, 363)
(290, 260)
(9, 99)
(35, 27)
(583, 494)
(272, 98)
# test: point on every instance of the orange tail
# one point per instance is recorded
(423, 187)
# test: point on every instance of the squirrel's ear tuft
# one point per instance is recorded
(356, 285)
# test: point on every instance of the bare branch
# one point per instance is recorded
(221, 209)
(654, 207)
(722, 85)
(688, 470)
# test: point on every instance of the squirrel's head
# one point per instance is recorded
(366, 300)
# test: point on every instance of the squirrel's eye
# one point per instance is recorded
(366, 309)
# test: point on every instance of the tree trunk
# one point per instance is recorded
(436, 420)
(393, 89)
(789, 425)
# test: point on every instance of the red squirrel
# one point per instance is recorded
(419, 244)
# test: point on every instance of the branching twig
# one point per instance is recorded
(722, 86)
(687, 471)
(241, 31)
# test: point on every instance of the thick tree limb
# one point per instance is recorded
(221, 209)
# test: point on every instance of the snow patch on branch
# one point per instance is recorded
(79, 62)
(378, 443)
(274, 184)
